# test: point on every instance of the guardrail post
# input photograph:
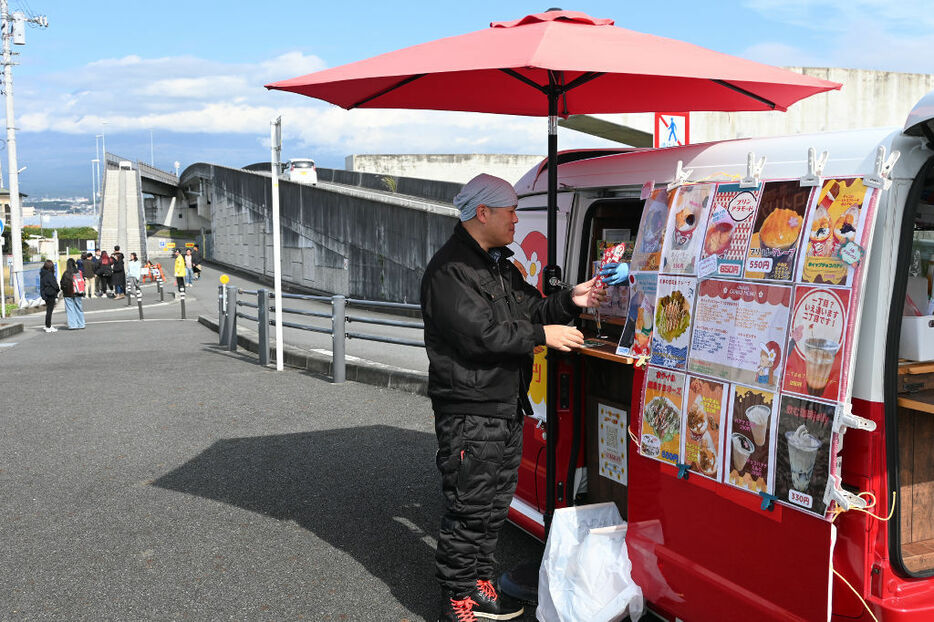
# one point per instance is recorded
(181, 298)
(221, 316)
(231, 318)
(161, 286)
(139, 297)
(262, 314)
(127, 293)
(338, 319)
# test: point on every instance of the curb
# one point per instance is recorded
(8, 330)
(357, 370)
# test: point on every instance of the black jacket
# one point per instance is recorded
(48, 288)
(482, 323)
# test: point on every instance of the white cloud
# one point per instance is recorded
(187, 94)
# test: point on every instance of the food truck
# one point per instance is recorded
(758, 400)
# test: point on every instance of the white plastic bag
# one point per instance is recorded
(586, 575)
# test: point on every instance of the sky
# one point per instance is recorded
(183, 81)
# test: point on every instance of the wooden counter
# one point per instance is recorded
(916, 463)
(605, 350)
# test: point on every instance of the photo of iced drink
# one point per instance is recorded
(742, 449)
(758, 417)
(819, 355)
(802, 452)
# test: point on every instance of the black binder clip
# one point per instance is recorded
(768, 501)
(683, 470)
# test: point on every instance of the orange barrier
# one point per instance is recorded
(152, 272)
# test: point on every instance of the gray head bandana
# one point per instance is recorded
(484, 190)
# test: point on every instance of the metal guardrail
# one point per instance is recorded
(229, 304)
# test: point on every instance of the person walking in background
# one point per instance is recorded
(134, 269)
(119, 277)
(87, 270)
(48, 289)
(98, 281)
(179, 270)
(196, 261)
(105, 272)
(73, 288)
(189, 267)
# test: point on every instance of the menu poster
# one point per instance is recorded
(838, 216)
(648, 249)
(660, 436)
(751, 440)
(684, 235)
(612, 440)
(774, 243)
(704, 425)
(636, 339)
(817, 347)
(673, 310)
(739, 331)
(728, 230)
(802, 463)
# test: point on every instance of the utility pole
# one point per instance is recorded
(14, 28)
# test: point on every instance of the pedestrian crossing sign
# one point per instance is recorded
(672, 129)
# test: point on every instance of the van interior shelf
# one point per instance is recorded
(606, 351)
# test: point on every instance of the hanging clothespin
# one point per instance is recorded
(846, 419)
(768, 501)
(883, 166)
(844, 499)
(815, 167)
(753, 171)
(681, 176)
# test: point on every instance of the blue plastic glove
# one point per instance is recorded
(615, 274)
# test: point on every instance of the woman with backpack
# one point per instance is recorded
(105, 271)
(48, 289)
(73, 288)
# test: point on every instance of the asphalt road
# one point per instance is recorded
(147, 475)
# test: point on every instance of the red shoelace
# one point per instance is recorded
(463, 609)
(486, 588)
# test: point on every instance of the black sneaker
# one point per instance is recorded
(491, 605)
(458, 610)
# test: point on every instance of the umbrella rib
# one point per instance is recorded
(583, 79)
(518, 76)
(743, 91)
(386, 90)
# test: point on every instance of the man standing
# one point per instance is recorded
(482, 323)
(89, 277)
(196, 261)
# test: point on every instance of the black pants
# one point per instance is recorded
(49, 307)
(479, 462)
(180, 283)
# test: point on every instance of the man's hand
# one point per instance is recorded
(586, 294)
(562, 337)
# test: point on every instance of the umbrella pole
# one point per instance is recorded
(552, 275)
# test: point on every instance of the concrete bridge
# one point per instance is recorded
(358, 234)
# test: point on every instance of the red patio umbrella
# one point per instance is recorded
(557, 63)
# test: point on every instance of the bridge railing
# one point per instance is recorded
(229, 311)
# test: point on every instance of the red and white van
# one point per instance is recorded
(702, 550)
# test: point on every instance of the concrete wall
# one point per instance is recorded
(867, 99)
(459, 168)
(331, 242)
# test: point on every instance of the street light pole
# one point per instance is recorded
(152, 157)
(276, 148)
